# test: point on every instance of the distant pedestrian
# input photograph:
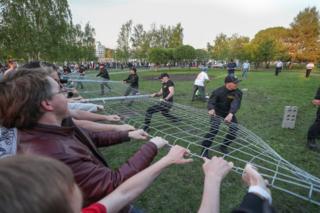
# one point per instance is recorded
(104, 74)
(199, 84)
(245, 69)
(81, 70)
(309, 68)
(133, 81)
(231, 67)
(279, 66)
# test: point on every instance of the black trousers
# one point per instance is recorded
(104, 84)
(278, 69)
(162, 107)
(231, 72)
(201, 91)
(308, 71)
(129, 91)
(214, 128)
(314, 129)
(253, 203)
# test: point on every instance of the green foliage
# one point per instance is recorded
(237, 47)
(185, 53)
(158, 56)
(176, 37)
(202, 56)
(269, 45)
(299, 43)
(133, 41)
(220, 49)
(140, 42)
(265, 51)
(123, 50)
(42, 29)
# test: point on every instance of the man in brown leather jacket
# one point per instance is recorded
(38, 108)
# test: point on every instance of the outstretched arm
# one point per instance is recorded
(215, 170)
(100, 127)
(84, 115)
(133, 187)
(157, 94)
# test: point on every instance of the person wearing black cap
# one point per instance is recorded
(231, 67)
(104, 74)
(167, 92)
(223, 102)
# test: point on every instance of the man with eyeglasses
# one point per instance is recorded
(41, 115)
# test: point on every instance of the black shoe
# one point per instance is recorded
(145, 128)
(224, 149)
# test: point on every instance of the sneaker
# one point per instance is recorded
(146, 128)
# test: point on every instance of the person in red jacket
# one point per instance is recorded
(49, 186)
(50, 183)
(40, 113)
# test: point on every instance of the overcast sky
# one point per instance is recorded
(202, 20)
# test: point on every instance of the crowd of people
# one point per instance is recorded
(54, 147)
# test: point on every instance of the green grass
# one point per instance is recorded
(179, 188)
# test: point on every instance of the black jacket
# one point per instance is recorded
(225, 101)
(133, 80)
(104, 74)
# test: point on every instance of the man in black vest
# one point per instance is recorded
(167, 92)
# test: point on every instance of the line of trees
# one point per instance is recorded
(164, 45)
(43, 30)
(159, 45)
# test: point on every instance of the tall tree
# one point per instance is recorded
(202, 56)
(158, 56)
(34, 29)
(304, 40)
(237, 47)
(138, 39)
(276, 38)
(176, 36)
(185, 53)
(123, 50)
(89, 42)
(220, 50)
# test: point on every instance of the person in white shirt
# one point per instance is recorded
(309, 68)
(245, 69)
(279, 66)
(199, 84)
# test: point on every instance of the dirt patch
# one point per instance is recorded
(175, 77)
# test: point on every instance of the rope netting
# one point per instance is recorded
(189, 131)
